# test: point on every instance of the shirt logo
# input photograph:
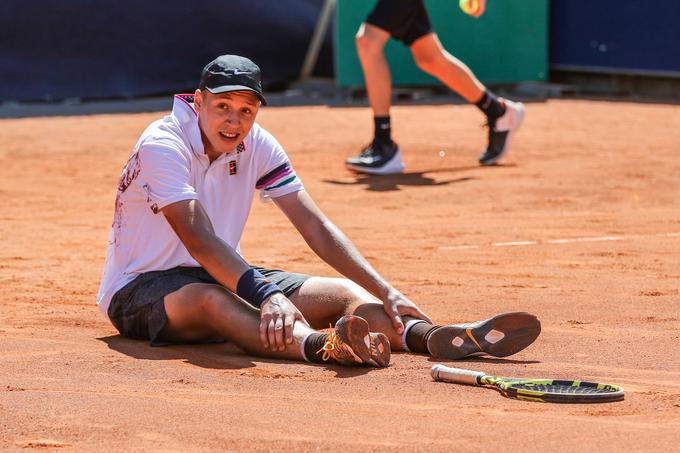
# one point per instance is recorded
(233, 168)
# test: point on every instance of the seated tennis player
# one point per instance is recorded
(174, 274)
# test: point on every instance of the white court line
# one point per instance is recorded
(591, 239)
(512, 244)
(558, 241)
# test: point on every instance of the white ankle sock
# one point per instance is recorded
(302, 346)
(410, 323)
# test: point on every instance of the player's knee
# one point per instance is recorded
(213, 303)
(367, 46)
(350, 295)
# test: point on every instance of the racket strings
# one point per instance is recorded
(563, 389)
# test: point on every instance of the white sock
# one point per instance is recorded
(410, 323)
(302, 346)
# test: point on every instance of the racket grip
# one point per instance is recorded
(456, 375)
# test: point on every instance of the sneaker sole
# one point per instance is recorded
(508, 139)
(394, 166)
(377, 171)
(373, 348)
(503, 335)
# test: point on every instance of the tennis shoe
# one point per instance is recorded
(500, 336)
(351, 343)
(501, 132)
(378, 159)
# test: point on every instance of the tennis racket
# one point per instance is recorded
(543, 390)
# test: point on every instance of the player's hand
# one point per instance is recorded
(277, 319)
(397, 305)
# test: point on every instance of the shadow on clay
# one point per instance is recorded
(386, 183)
(215, 355)
(481, 360)
(221, 356)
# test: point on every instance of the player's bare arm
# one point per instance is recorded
(331, 245)
(191, 224)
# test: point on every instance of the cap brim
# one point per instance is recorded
(229, 88)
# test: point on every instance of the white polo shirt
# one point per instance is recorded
(169, 164)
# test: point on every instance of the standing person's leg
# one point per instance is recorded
(323, 300)
(404, 20)
(370, 42)
(382, 155)
(432, 58)
(504, 117)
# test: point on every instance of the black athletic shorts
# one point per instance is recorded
(405, 20)
(137, 310)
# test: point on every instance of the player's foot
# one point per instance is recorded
(500, 336)
(502, 131)
(351, 343)
(378, 159)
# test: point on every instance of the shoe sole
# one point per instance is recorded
(372, 348)
(503, 335)
(376, 171)
(390, 168)
(508, 139)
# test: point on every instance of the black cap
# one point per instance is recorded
(232, 73)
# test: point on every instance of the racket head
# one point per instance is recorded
(559, 391)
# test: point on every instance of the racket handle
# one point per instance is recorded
(456, 375)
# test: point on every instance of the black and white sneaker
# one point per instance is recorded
(378, 159)
(502, 131)
(500, 336)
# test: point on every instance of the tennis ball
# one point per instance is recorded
(470, 7)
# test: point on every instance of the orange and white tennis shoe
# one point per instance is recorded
(351, 343)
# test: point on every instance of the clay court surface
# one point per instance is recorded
(580, 226)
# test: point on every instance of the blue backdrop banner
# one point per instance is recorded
(53, 50)
(616, 36)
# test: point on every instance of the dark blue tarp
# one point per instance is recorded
(60, 49)
(626, 36)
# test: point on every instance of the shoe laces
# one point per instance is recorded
(491, 124)
(336, 349)
(376, 148)
(368, 151)
(332, 348)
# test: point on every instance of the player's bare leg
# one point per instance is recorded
(322, 300)
(199, 311)
(431, 57)
(370, 41)
(204, 311)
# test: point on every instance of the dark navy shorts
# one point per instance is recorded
(138, 311)
(405, 20)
